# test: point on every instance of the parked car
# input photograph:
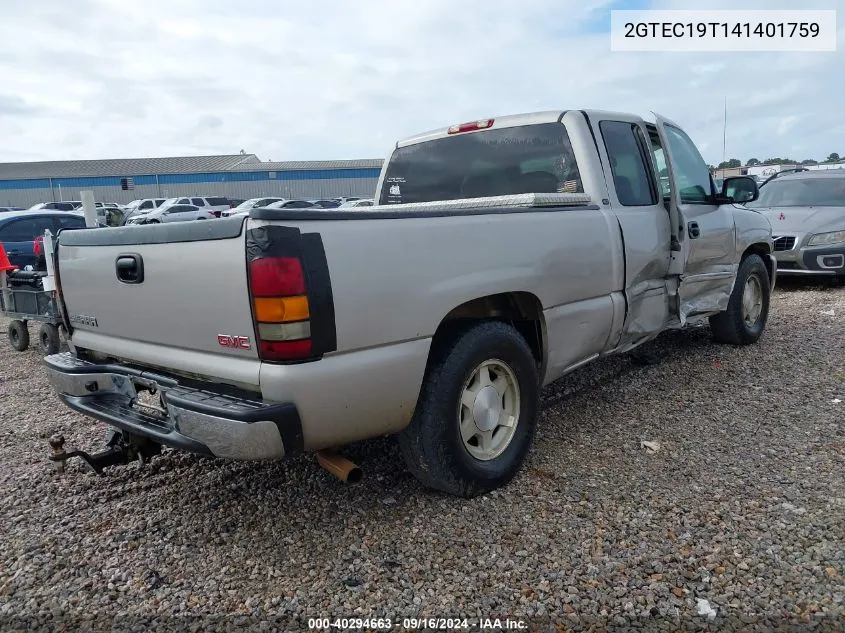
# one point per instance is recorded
(64, 205)
(325, 204)
(356, 203)
(18, 230)
(7, 209)
(807, 212)
(138, 207)
(173, 213)
(214, 205)
(144, 204)
(566, 253)
(290, 204)
(252, 203)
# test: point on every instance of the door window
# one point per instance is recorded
(631, 178)
(25, 230)
(199, 202)
(691, 172)
(70, 222)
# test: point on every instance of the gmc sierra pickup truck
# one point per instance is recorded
(500, 255)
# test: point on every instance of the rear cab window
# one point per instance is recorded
(535, 158)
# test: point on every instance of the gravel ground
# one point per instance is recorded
(743, 506)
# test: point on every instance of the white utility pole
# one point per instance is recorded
(89, 208)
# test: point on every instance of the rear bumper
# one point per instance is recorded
(200, 420)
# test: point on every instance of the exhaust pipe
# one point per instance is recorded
(339, 466)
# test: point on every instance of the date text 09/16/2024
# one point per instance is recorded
(446, 624)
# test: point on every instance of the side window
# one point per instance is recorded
(159, 202)
(195, 201)
(70, 222)
(25, 230)
(691, 171)
(631, 178)
(146, 205)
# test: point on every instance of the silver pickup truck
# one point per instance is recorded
(500, 255)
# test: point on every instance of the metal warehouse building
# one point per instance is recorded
(234, 176)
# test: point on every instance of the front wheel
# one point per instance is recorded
(477, 411)
(748, 307)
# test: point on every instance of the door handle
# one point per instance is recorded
(693, 230)
(129, 268)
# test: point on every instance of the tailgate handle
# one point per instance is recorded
(130, 268)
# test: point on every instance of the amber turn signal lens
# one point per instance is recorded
(281, 309)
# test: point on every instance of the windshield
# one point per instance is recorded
(525, 159)
(804, 192)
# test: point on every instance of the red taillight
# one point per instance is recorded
(276, 277)
(285, 350)
(472, 126)
(280, 308)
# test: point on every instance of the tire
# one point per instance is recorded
(48, 338)
(432, 444)
(153, 222)
(18, 335)
(739, 325)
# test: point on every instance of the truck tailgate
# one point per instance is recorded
(170, 295)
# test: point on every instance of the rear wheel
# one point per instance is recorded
(48, 337)
(18, 335)
(477, 411)
(748, 307)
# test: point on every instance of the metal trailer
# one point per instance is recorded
(30, 295)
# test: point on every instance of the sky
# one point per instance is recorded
(337, 79)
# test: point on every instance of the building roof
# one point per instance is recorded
(124, 166)
(365, 163)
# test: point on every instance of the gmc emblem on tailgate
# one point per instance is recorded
(235, 342)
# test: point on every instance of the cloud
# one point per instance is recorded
(333, 79)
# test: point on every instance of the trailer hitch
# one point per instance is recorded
(121, 448)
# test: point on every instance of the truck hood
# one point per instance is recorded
(804, 219)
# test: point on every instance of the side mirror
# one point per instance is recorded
(740, 189)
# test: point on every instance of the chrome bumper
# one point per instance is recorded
(195, 419)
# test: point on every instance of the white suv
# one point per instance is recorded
(213, 204)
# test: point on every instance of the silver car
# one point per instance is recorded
(173, 213)
(807, 213)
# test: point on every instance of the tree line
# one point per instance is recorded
(751, 162)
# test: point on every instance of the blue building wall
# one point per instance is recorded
(302, 183)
